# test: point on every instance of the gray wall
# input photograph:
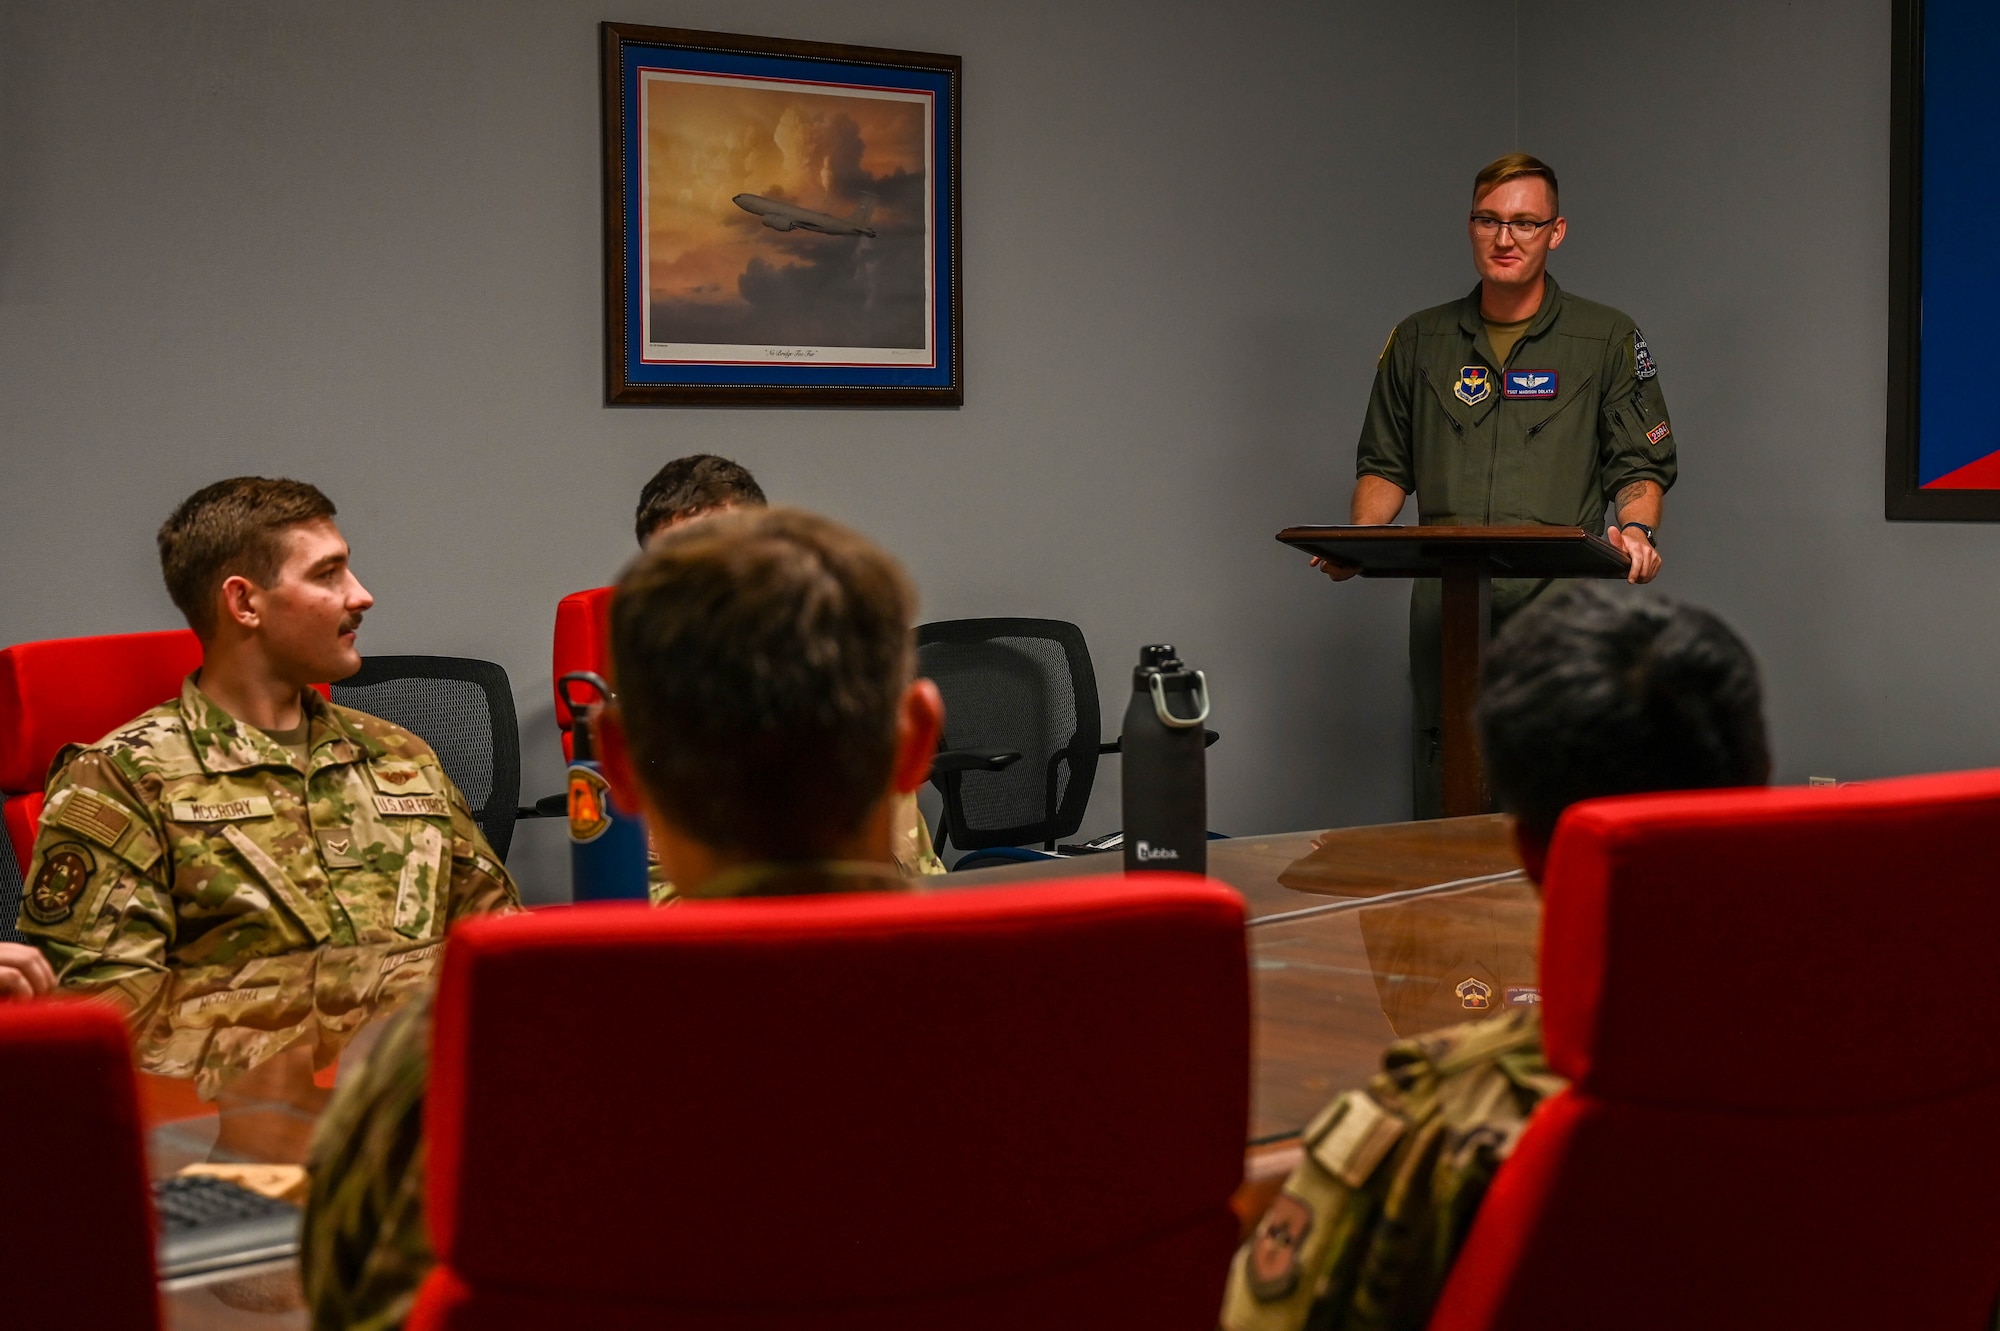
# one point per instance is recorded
(357, 243)
(1726, 174)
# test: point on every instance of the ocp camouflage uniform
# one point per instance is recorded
(909, 842)
(1365, 1230)
(233, 904)
(365, 1245)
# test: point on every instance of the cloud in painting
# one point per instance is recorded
(718, 275)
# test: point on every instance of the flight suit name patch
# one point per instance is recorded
(412, 806)
(1530, 384)
(1475, 384)
(64, 873)
(222, 811)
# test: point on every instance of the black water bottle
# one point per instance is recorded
(1166, 767)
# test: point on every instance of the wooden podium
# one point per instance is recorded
(1467, 559)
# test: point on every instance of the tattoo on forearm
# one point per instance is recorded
(1636, 491)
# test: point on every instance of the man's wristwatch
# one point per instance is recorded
(1648, 531)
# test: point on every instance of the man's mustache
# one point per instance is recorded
(352, 624)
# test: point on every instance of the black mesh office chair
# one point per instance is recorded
(10, 891)
(462, 708)
(1021, 729)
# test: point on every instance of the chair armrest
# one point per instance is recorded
(548, 806)
(974, 760)
(1208, 738)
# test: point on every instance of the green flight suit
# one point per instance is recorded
(1548, 438)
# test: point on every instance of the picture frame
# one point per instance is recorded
(1942, 448)
(782, 222)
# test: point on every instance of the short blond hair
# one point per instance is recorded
(1513, 166)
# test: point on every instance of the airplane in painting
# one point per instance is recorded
(780, 216)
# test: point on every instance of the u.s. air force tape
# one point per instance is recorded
(412, 806)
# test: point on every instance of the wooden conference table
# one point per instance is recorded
(1357, 936)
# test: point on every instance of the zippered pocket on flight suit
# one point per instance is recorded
(1444, 403)
(1561, 406)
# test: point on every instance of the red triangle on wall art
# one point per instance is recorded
(1978, 474)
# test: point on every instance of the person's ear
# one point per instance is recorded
(1533, 852)
(238, 596)
(919, 722)
(1558, 231)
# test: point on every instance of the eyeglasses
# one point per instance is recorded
(1486, 228)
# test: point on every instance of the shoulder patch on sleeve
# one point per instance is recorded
(1642, 357)
(65, 872)
(105, 821)
(96, 817)
(1355, 1137)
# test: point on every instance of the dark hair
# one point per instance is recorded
(231, 527)
(694, 484)
(1511, 167)
(1600, 690)
(760, 660)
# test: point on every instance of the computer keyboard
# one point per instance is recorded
(209, 1223)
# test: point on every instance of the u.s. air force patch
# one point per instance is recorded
(1474, 383)
(64, 873)
(1642, 358)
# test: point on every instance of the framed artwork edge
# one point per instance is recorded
(620, 390)
(1903, 499)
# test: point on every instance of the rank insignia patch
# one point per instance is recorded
(1529, 383)
(64, 873)
(1642, 357)
(1474, 383)
(1474, 993)
(1658, 432)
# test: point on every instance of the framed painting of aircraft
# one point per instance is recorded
(1944, 276)
(781, 222)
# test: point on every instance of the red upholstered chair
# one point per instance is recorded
(1777, 1011)
(79, 1250)
(583, 642)
(75, 691)
(985, 1110)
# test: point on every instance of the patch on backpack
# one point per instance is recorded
(65, 872)
(1272, 1269)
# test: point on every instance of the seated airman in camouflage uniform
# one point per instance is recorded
(766, 697)
(702, 484)
(248, 867)
(1594, 691)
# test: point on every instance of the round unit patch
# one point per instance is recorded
(65, 872)
(589, 804)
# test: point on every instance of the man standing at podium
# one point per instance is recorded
(1517, 405)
